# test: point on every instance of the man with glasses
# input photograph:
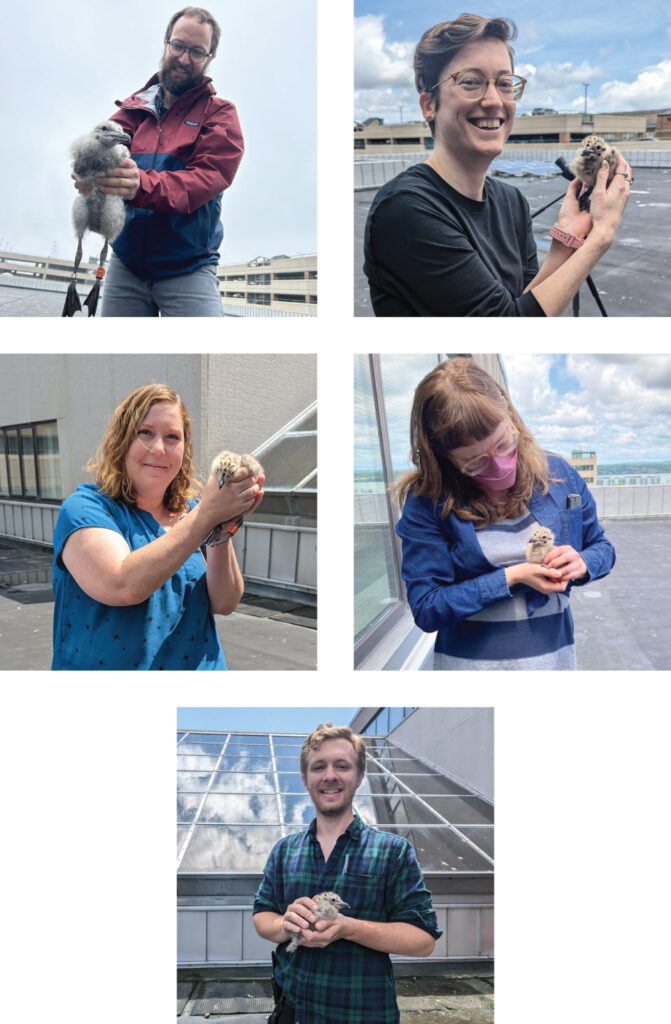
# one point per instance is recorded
(444, 239)
(186, 148)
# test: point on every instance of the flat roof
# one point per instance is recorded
(632, 278)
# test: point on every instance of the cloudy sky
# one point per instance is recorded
(67, 66)
(616, 405)
(623, 51)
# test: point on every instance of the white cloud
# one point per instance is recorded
(620, 405)
(559, 86)
(651, 88)
(378, 62)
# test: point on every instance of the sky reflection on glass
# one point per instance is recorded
(232, 801)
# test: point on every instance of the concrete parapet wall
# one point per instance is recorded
(373, 171)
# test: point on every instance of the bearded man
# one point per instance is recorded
(185, 150)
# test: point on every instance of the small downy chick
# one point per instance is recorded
(225, 466)
(542, 539)
(588, 160)
(329, 904)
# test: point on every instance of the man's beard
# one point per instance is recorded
(177, 84)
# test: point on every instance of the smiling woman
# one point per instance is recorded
(132, 586)
(442, 238)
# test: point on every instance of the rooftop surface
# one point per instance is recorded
(433, 999)
(22, 301)
(632, 278)
(621, 621)
(264, 633)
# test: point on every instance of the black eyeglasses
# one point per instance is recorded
(197, 54)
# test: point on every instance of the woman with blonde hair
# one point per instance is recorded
(480, 488)
(134, 586)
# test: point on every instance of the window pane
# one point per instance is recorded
(440, 849)
(12, 437)
(48, 460)
(4, 479)
(240, 808)
(376, 587)
(400, 376)
(28, 458)
(217, 848)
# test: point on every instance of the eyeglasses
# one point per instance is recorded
(197, 54)
(473, 85)
(506, 446)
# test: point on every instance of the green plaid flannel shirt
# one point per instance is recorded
(378, 875)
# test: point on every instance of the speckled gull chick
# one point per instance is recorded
(329, 903)
(225, 466)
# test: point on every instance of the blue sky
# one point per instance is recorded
(622, 50)
(262, 719)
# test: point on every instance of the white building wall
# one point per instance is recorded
(246, 399)
(234, 401)
(458, 740)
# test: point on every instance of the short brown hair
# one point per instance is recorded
(109, 462)
(439, 45)
(456, 404)
(202, 15)
(329, 731)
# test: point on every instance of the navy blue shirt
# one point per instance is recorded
(172, 629)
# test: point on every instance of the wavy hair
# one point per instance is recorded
(329, 731)
(456, 404)
(109, 462)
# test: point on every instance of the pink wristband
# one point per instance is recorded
(572, 241)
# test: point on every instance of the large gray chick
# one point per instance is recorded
(329, 904)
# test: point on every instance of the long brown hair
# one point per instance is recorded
(109, 462)
(456, 404)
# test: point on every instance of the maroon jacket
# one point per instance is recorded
(186, 160)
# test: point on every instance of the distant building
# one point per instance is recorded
(585, 464)
(415, 137)
(663, 126)
(281, 284)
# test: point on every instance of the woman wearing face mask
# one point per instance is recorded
(480, 488)
(135, 586)
(444, 239)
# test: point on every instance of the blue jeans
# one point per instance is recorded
(194, 294)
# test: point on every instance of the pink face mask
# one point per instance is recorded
(500, 474)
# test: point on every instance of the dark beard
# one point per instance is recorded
(178, 84)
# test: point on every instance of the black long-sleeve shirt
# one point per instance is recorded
(430, 251)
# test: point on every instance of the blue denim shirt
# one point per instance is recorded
(448, 577)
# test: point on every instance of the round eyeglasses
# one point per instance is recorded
(478, 465)
(473, 85)
(197, 54)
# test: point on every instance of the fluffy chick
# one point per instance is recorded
(542, 540)
(588, 160)
(225, 466)
(329, 904)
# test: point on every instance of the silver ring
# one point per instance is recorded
(625, 176)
